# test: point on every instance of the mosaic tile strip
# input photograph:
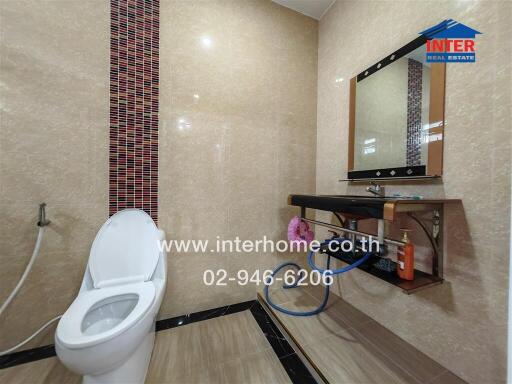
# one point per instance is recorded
(414, 90)
(134, 82)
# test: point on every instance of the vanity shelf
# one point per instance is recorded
(385, 210)
(421, 279)
(366, 206)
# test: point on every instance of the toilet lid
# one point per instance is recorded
(125, 250)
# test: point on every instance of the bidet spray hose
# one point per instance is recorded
(26, 272)
(42, 223)
(12, 349)
(325, 298)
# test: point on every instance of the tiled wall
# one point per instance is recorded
(462, 323)
(54, 123)
(237, 135)
(414, 91)
(134, 82)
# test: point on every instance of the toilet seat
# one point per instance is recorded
(69, 331)
(126, 248)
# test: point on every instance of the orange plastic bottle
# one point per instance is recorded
(405, 258)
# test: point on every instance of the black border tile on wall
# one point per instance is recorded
(290, 361)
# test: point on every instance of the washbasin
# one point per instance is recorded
(360, 206)
(356, 196)
(372, 197)
(365, 206)
(353, 205)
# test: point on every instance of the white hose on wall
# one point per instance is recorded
(18, 287)
(27, 270)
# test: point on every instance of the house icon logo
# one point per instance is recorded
(450, 42)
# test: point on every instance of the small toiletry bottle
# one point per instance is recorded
(405, 258)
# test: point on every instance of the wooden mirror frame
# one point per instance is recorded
(434, 166)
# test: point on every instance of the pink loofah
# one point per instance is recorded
(298, 230)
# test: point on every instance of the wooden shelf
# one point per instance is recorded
(382, 208)
(421, 280)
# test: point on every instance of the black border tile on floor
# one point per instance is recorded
(296, 370)
(290, 361)
(179, 321)
(26, 356)
(29, 355)
(274, 336)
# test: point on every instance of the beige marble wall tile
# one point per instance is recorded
(461, 324)
(242, 75)
(54, 73)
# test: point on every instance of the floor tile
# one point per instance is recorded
(177, 353)
(447, 378)
(280, 295)
(308, 329)
(258, 368)
(296, 371)
(46, 371)
(273, 335)
(228, 349)
(349, 358)
(339, 308)
(26, 356)
(347, 346)
(229, 337)
(206, 375)
(400, 352)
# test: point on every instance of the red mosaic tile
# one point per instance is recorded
(134, 82)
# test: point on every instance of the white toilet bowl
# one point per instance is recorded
(107, 333)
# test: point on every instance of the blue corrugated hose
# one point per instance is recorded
(314, 268)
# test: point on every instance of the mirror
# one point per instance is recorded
(397, 117)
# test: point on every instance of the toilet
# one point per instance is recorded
(108, 332)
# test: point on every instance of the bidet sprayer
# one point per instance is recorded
(42, 216)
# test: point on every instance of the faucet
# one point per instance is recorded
(375, 189)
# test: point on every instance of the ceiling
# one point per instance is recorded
(311, 8)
